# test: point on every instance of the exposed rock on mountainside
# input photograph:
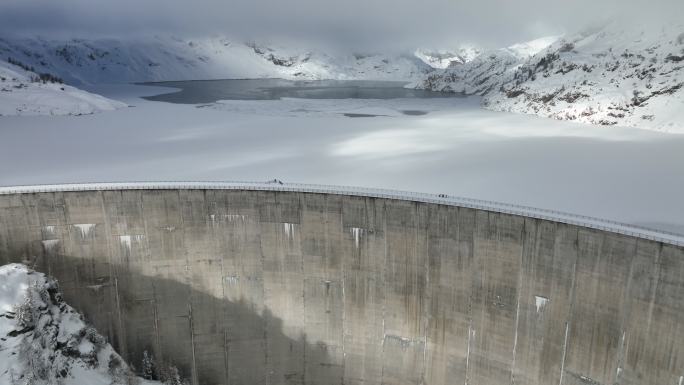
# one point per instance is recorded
(44, 341)
(445, 58)
(484, 72)
(161, 58)
(476, 77)
(607, 76)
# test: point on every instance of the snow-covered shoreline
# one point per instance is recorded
(23, 93)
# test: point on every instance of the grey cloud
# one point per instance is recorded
(356, 22)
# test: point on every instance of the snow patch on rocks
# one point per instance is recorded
(45, 341)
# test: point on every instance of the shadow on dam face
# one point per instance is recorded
(257, 287)
(211, 340)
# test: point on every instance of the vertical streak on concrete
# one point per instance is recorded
(565, 349)
(195, 375)
(226, 338)
(63, 214)
(428, 293)
(144, 222)
(226, 362)
(301, 271)
(110, 251)
(158, 352)
(470, 336)
(264, 323)
(626, 310)
(655, 288)
(471, 254)
(226, 356)
(188, 278)
(343, 276)
(519, 290)
(572, 307)
(122, 334)
(515, 338)
(384, 299)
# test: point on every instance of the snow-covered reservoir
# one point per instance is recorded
(451, 147)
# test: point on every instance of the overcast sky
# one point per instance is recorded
(436, 23)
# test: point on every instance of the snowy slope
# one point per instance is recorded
(530, 48)
(442, 58)
(165, 58)
(22, 93)
(483, 73)
(45, 341)
(476, 77)
(612, 75)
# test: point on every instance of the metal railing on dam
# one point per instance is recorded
(279, 284)
(445, 199)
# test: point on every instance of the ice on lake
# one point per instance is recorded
(455, 148)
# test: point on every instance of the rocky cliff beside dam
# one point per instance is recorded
(274, 287)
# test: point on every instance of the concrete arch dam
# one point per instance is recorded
(275, 285)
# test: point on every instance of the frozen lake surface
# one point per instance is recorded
(450, 147)
(209, 91)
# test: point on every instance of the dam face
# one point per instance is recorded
(263, 287)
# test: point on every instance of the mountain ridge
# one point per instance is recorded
(607, 76)
(83, 61)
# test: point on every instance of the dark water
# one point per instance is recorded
(209, 91)
(413, 112)
(352, 115)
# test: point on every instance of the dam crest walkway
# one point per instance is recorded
(442, 199)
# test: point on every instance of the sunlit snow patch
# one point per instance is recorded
(84, 228)
(50, 244)
(289, 229)
(127, 240)
(357, 233)
(540, 302)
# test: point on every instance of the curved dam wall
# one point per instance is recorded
(274, 287)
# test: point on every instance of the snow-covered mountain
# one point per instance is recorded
(484, 72)
(24, 92)
(530, 48)
(610, 76)
(442, 58)
(80, 61)
(44, 341)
